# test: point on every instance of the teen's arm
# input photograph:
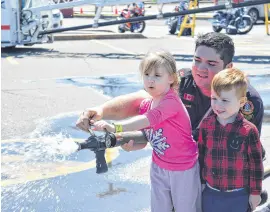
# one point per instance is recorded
(123, 106)
(131, 146)
(134, 140)
(118, 108)
(255, 162)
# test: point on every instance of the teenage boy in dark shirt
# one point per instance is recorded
(230, 151)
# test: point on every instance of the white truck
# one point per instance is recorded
(23, 20)
(17, 26)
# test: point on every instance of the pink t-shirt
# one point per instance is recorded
(170, 133)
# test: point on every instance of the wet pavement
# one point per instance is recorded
(44, 180)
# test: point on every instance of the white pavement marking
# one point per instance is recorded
(113, 47)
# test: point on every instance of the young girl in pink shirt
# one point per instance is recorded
(175, 179)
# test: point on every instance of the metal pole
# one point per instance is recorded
(165, 15)
(266, 12)
(18, 15)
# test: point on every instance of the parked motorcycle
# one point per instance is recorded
(175, 22)
(133, 10)
(234, 21)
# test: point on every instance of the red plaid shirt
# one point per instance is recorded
(230, 156)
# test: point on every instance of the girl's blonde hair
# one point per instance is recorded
(160, 58)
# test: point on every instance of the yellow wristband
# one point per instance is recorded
(118, 128)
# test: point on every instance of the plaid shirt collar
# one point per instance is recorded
(239, 118)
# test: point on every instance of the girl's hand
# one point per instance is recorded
(101, 125)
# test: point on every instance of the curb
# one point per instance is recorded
(200, 2)
(104, 16)
(64, 37)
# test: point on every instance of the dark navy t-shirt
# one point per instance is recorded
(198, 104)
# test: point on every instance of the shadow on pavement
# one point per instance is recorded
(42, 52)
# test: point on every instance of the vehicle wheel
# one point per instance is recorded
(120, 29)
(254, 14)
(244, 26)
(173, 26)
(216, 29)
(141, 29)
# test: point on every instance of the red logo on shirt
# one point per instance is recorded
(182, 73)
(188, 97)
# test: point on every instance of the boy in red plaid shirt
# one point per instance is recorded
(230, 151)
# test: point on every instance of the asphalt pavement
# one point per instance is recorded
(44, 89)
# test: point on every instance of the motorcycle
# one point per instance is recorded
(134, 10)
(175, 22)
(234, 21)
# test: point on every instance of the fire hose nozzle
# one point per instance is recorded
(98, 144)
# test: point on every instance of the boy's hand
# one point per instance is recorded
(254, 201)
(101, 125)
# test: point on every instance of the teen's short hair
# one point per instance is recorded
(228, 79)
(160, 58)
(222, 44)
